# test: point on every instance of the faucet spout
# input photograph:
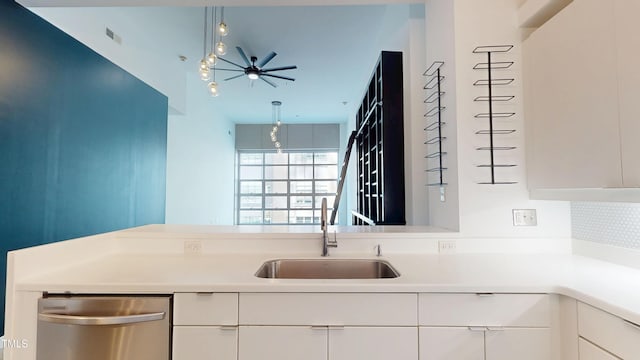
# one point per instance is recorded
(326, 243)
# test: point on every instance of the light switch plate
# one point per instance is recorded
(525, 217)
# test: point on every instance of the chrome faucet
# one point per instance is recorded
(326, 243)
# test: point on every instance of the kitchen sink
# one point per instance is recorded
(326, 269)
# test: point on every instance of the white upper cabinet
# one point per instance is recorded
(582, 85)
(628, 57)
(571, 99)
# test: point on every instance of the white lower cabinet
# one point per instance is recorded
(205, 342)
(451, 343)
(588, 351)
(328, 326)
(282, 343)
(518, 343)
(327, 343)
(481, 343)
(373, 343)
(484, 327)
(608, 332)
(354, 326)
(205, 326)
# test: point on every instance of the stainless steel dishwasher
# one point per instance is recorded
(104, 327)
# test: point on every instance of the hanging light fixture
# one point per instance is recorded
(205, 73)
(222, 26)
(276, 122)
(207, 66)
(212, 59)
(221, 48)
(213, 87)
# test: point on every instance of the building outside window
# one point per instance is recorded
(285, 188)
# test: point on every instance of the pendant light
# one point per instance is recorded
(222, 26)
(212, 59)
(221, 48)
(276, 122)
(205, 73)
(207, 66)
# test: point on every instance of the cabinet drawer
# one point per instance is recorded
(328, 309)
(205, 342)
(530, 310)
(609, 332)
(205, 309)
(588, 351)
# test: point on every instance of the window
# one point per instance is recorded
(285, 188)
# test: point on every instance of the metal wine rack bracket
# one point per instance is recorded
(434, 139)
(493, 100)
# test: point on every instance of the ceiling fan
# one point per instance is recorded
(255, 69)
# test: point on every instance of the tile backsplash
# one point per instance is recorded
(615, 224)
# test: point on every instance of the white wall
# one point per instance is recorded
(402, 30)
(200, 161)
(440, 46)
(485, 210)
(149, 55)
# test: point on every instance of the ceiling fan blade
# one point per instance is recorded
(268, 58)
(279, 77)
(234, 77)
(269, 82)
(221, 69)
(280, 68)
(231, 62)
(243, 56)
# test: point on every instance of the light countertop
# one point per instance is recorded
(155, 259)
(608, 286)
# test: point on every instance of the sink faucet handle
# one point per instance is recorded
(334, 242)
(378, 250)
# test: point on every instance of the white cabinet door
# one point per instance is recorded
(205, 342)
(588, 351)
(373, 343)
(571, 93)
(451, 343)
(282, 343)
(628, 57)
(518, 343)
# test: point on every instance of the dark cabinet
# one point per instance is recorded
(380, 144)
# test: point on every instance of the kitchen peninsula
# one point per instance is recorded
(530, 294)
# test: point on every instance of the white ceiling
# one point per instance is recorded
(334, 47)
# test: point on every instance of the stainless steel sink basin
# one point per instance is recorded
(327, 269)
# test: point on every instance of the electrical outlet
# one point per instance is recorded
(525, 217)
(192, 247)
(447, 246)
(442, 192)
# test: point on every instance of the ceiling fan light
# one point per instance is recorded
(223, 30)
(253, 75)
(212, 59)
(221, 48)
(213, 88)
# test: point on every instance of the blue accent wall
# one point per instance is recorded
(82, 142)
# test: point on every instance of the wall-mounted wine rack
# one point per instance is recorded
(434, 139)
(495, 99)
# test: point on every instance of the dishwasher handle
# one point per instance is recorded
(100, 320)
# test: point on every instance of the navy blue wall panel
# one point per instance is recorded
(82, 142)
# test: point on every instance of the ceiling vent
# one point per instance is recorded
(113, 36)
